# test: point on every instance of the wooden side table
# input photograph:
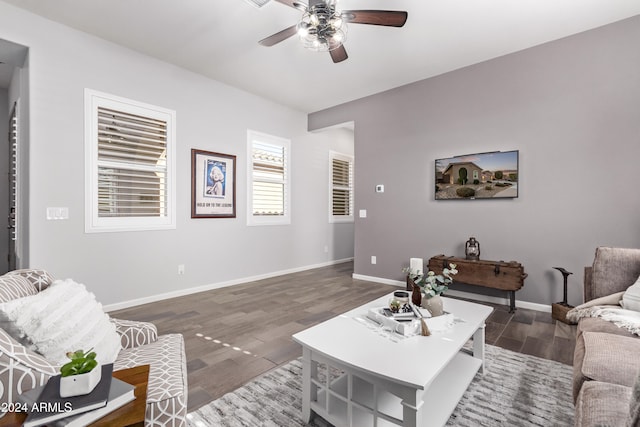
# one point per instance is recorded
(131, 414)
(505, 276)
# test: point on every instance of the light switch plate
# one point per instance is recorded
(57, 213)
(363, 213)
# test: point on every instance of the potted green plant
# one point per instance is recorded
(80, 375)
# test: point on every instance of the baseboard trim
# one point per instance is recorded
(460, 294)
(182, 292)
(378, 280)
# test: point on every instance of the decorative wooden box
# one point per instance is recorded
(559, 312)
(506, 276)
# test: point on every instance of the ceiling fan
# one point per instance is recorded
(323, 26)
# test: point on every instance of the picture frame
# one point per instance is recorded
(491, 175)
(213, 184)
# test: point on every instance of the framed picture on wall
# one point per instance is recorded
(213, 185)
(491, 175)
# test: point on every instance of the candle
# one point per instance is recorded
(416, 265)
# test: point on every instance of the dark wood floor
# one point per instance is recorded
(236, 333)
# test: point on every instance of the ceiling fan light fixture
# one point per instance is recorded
(322, 28)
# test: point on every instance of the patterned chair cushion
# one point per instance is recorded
(167, 389)
(13, 286)
(135, 333)
(41, 279)
(20, 368)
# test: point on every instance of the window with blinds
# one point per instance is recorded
(269, 179)
(341, 187)
(131, 146)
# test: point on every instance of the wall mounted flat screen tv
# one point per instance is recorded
(491, 175)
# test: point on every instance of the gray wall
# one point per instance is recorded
(572, 109)
(135, 266)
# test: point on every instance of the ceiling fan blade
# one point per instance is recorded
(388, 18)
(339, 54)
(279, 36)
(294, 4)
(286, 2)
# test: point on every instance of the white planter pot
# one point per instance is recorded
(77, 385)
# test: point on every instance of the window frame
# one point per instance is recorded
(348, 158)
(93, 222)
(257, 220)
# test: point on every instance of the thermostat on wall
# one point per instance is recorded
(379, 188)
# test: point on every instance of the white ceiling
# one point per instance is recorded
(219, 39)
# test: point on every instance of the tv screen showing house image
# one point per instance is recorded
(478, 176)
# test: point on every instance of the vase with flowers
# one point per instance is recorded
(430, 286)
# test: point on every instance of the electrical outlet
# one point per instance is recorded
(373, 259)
(180, 269)
(326, 249)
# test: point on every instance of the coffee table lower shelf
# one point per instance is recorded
(359, 407)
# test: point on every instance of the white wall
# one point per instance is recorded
(210, 116)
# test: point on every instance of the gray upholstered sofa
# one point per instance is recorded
(606, 365)
(22, 369)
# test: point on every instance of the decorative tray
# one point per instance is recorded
(411, 326)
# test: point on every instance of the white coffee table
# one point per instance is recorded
(390, 380)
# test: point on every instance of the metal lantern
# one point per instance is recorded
(472, 249)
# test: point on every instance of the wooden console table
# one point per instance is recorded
(506, 276)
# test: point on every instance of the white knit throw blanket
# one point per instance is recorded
(627, 319)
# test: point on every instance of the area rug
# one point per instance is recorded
(516, 390)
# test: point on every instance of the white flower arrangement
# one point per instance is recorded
(433, 284)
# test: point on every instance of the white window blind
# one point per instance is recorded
(341, 187)
(269, 179)
(131, 165)
(13, 178)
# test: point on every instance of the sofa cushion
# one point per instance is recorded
(610, 358)
(602, 404)
(590, 324)
(614, 270)
(596, 324)
(167, 389)
(634, 404)
(13, 286)
(64, 317)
